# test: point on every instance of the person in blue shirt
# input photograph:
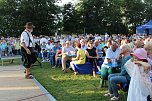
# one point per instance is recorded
(4, 47)
(56, 47)
(55, 50)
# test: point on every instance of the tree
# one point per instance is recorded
(90, 16)
(100, 16)
(17, 12)
(71, 19)
(134, 13)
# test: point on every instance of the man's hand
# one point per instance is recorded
(28, 51)
(119, 56)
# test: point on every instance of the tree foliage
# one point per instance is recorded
(88, 16)
(15, 13)
(112, 16)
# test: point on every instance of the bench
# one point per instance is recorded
(10, 58)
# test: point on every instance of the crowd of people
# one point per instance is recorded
(114, 48)
(9, 46)
(133, 53)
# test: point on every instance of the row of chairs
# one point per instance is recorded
(87, 68)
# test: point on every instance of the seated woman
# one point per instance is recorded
(92, 56)
(119, 78)
(140, 84)
(80, 58)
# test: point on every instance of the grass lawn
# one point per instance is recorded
(68, 87)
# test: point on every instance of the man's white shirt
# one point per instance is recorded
(49, 47)
(25, 38)
(111, 54)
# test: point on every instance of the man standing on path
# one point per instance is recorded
(27, 48)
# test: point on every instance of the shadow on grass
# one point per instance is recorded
(68, 87)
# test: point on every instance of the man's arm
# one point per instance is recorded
(24, 46)
(63, 51)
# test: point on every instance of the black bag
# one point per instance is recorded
(33, 56)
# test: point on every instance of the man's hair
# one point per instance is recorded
(114, 43)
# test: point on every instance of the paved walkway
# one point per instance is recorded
(14, 87)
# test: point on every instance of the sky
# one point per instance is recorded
(62, 2)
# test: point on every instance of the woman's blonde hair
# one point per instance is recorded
(127, 48)
(148, 46)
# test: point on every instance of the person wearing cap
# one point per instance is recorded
(140, 84)
(27, 48)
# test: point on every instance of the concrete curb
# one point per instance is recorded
(51, 98)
